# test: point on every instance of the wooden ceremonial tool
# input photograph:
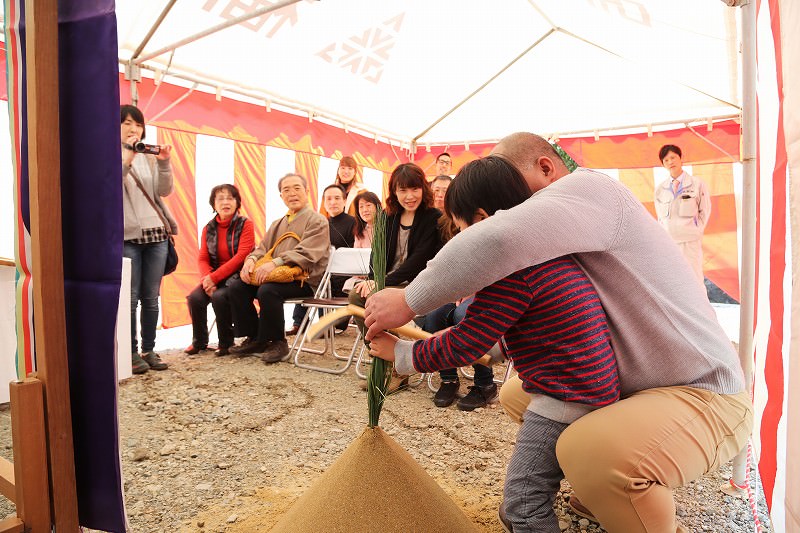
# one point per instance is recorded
(327, 320)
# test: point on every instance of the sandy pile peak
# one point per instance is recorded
(375, 485)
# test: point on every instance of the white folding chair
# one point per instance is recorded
(343, 262)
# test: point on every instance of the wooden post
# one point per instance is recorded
(30, 455)
(41, 20)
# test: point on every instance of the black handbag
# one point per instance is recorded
(172, 257)
(172, 253)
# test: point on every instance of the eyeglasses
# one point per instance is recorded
(444, 162)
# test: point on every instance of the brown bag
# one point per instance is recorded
(283, 273)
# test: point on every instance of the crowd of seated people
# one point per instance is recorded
(289, 262)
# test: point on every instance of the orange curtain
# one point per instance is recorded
(182, 204)
(720, 246)
(307, 165)
(720, 251)
(249, 176)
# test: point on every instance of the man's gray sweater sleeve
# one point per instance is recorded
(581, 212)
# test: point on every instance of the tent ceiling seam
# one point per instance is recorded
(542, 14)
(549, 32)
(620, 56)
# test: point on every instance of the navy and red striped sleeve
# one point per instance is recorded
(495, 309)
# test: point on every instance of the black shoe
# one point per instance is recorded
(194, 350)
(505, 523)
(293, 331)
(478, 397)
(277, 352)
(154, 361)
(447, 394)
(222, 350)
(249, 347)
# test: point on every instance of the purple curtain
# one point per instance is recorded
(91, 189)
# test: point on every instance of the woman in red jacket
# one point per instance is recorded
(226, 241)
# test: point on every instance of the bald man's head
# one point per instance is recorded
(534, 157)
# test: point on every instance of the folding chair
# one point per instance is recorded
(343, 262)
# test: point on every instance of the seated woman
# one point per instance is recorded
(412, 235)
(367, 204)
(226, 241)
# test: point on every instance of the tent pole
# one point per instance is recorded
(153, 29)
(749, 162)
(214, 29)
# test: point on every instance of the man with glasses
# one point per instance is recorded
(444, 164)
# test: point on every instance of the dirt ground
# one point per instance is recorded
(228, 444)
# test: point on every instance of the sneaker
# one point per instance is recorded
(579, 509)
(478, 397)
(277, 352)
(154, 361)
(138, 365)
(505, 523)
(447, 394)
(249, 347)
(194, 350)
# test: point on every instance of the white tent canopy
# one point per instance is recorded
(451, 70)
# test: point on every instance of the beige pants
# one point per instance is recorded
(693, 252)
(624, 460)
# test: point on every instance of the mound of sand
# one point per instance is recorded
(374, 486)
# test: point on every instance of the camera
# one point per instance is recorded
(142, 148)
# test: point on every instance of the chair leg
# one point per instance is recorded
(329, 336)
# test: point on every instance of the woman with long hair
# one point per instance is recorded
(367, 205)
(348, 177)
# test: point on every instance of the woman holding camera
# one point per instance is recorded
(146, 179)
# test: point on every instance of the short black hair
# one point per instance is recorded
(667, 148)
(334, 186)
(442, 177)
(135, 113)
(443, 154)
(225, 187)
(491, 184)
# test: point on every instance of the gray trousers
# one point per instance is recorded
(534, 476)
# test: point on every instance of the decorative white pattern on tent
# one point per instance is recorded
(469, 70)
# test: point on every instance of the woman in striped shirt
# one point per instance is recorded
(556, 334)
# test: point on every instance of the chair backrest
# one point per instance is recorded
(349, 262)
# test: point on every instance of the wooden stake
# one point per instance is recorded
(41, 20)
(32, 495)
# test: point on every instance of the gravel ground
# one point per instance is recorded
(228, 444)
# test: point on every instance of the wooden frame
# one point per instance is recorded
(40, 408)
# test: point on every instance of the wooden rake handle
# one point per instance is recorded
(316, 330)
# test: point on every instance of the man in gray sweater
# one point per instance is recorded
(685, 409)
